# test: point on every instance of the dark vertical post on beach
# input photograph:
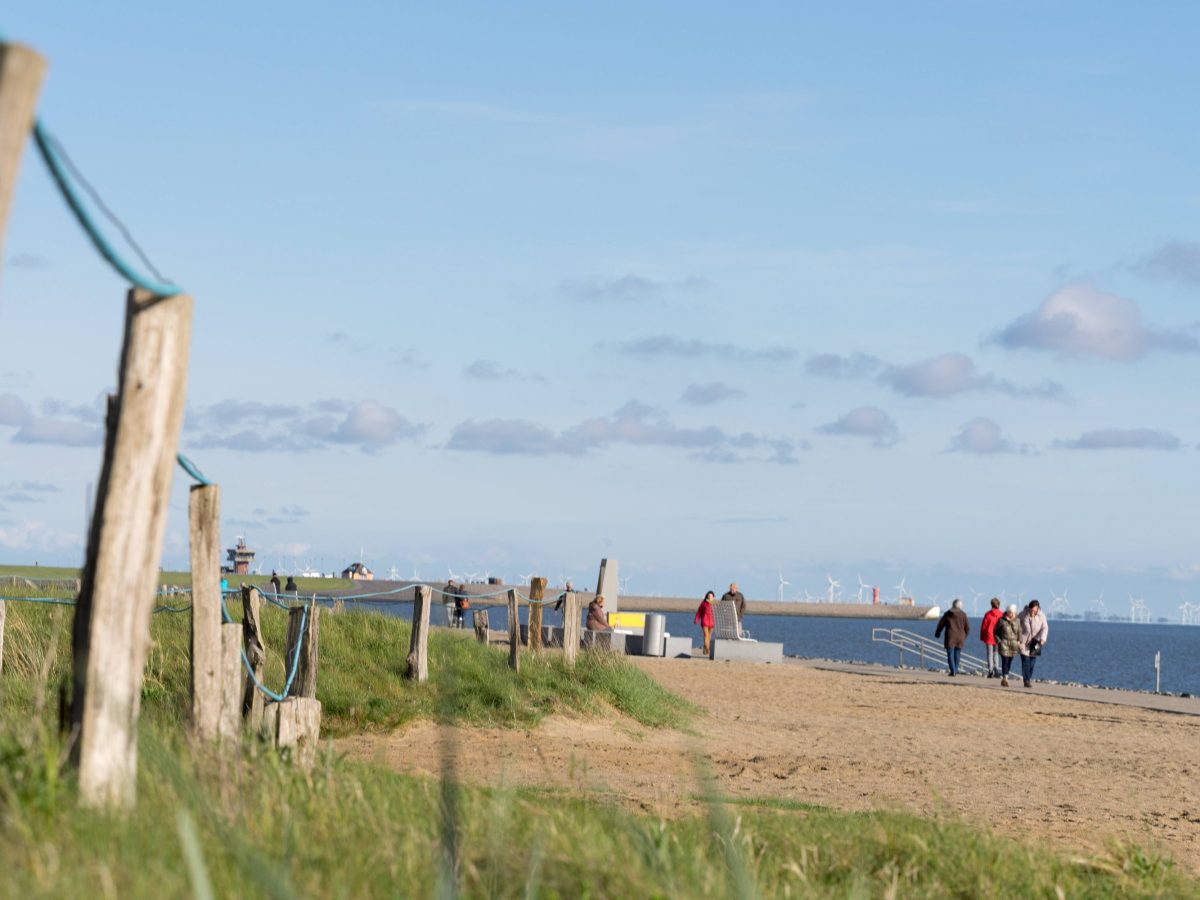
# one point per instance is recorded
(514, 633)
(204, 540)
(111, 636)
(21, 72)
(305, 643)
(256, 654)
(571, 634)
(418, 645)
(537, 593)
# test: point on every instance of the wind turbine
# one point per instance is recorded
(1185, 613)
(1098, 606)
(781, 584)
(524, 579)
(862, 586)
(975, 595)
(834, 584)
(624, 585)
(902, 590)
(1060, 604)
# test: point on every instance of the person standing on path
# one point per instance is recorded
(1034, 631)
(1008, 641)
(450, 601)
(738, 600)
(706, 620)
(987, 634)
(275, 584)
(562, 600)
(956, 627)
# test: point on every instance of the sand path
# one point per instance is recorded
(1083, 772)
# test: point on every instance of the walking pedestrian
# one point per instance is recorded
(739, 601)
(706, 620)
(987, 634)
(956, 627)
(1008, 641)
(450, 595)
(1034, 631)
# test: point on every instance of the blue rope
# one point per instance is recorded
(60, 601)
(279, 698)
(190, 467)
(48, 148)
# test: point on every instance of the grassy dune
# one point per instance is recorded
(254, 826)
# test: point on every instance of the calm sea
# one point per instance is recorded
(1109, 654)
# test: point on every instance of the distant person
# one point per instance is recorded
(1008, 641)
(987, 634)
(461, 604)
(955, 626)
(597, 620)
(290, 587)
(274, 583)
(739, 601)
(450, 601)
(1034, 631)
(562, 599)
(706, 620)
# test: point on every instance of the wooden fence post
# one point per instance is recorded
(514, 633)
(21, 73)
(204, 517)
(306, 644)
(298, 728)
(537, 593)
(571, 627)
(233, 676)
(111, 635)
(480, 621)
(418, 645)
(256, 653)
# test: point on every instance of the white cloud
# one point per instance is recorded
(373, 425)
(1079, 320)
(865, 421)
(983, 437)
(14, 411)
(35, 535)
(59, 432)
(710, 393)
(955, 373)
(1122, 439)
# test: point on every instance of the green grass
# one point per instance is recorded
(184, 579)
(254, 826)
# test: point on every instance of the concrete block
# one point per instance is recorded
(748, 651)
(678, 647)
(604, 640)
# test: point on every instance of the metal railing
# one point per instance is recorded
(926, 649)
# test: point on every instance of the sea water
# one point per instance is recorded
(1107, 654)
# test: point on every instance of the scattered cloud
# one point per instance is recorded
(663, 345)
(407, 358)
(628, 288)
(1081, 321)
(35, 535)
(710, 393)
(59, 432)
(955, 373)
(14, 412)
(1177, 261)
(834, 365)
(26, 491)
(983, 437)
(490, 370)
(634, 423)
(1122, 439)
(297, 429)
(865, 421)
(295, 512)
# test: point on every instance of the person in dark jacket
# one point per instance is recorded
(275, 584)
(987, 634)
(290, 587)
(738, 600)
(956, 627)
(1008, 641)
(597, 620)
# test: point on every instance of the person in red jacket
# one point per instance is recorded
(987, 634)
(706, 620)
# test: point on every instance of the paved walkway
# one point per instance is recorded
(1188, 706)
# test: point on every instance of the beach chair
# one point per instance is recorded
(728, 627)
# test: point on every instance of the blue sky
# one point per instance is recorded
(719, 291)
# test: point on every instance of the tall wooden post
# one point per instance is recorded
(21, 73)
(204, 516)
(112, 620)
(232, 677)
(537, 594)
(571, 627)
(256, 653)
(514, 633)
(418, 645)
(306, 643)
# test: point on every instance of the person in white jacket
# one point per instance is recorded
(1034, 631)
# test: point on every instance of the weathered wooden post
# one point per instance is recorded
(480, 621)
(3, 614)
(571, 627)
(298, 728)
(21, 73)
(537, 593)
(256, 654)
(232, 677)
(514, 633)
(418, 645)
(306, 642)
(112, 620)
(204, 517)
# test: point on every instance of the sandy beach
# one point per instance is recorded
(1077, 773)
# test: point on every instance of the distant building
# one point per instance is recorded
(358, 572)
(239, 558)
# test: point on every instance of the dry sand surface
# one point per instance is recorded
(1074, 772)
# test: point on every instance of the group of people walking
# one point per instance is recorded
(706, 618)
(1006, 634)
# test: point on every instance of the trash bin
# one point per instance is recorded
(652, 635)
